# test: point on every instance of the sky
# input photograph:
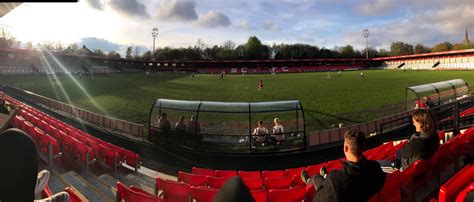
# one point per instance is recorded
(116, 24)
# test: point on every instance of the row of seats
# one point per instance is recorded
(202, 183)
(55, 137)
(259, 70)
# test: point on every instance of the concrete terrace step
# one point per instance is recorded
(56, 183)
(101, 185)
(90, 191)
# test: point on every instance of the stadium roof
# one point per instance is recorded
(444, 53)
(5, 8)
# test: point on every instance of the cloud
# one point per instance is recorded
(374, 7)
(270, 26)
(129, 8)
(95, 4)
(177, 10)
(95, 43)
(213, 19)
(245, 25)
(430, 27)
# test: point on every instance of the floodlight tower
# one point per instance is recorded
(365, 33)
(154, 34)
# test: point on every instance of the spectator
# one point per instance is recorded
(193, 126)
(260, 133)
(180, 126)
(163, 123)
(422, 144)
(359, 180)
(164, 126)
(19, 177)
(3, 106)
(278, 130)
(428, 102)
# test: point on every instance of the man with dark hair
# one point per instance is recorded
(359, 180)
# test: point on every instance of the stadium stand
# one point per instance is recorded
(56, 137)
(449, 60)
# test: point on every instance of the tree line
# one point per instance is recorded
(253, 49)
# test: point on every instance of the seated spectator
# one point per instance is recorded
(278, 130)
(429, 102)
(193, 126)
(19, 177)
(359, 180)
(422, 144)
(260, 133)
(164, 125)
(234, 190)
(3, 106)
(180, 125)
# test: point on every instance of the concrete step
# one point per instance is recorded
(56, 183)
(90, 191)
(101, 185)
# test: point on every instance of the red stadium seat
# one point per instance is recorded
(334, 165)
(278, 182)
(192, 179)
(462, 196)
(253, 183)
(127, 194)
(249, 174)
(454, 186)
(225, 173)
(84, 153)
(294, 171)
(420, 173)
(74, 195)
(313, 170)
(391, 190)
(175, 191)
(259, 195)
(216, 182)
(273, 173)
(131, 158)
(203, 171)
(203, 194)
(296, 194)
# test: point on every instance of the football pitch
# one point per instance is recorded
(347, 99)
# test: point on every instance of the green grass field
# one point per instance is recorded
(347, 99)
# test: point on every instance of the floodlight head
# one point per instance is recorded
(365, 32)
(154, 32)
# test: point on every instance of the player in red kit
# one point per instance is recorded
(260, 85)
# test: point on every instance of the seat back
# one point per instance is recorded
(249, 174)
(296, 194)
(127, 194)
(225, 173)
(203, 171)
(175, 191)
(273, 173)
(450, 189)
(253, 183)
(216, 182)
(192, 179)
(259, 195)
(203, 194)
(294, 171)
(314, 169)
(278, 182)
(74, 195)
(130, 158)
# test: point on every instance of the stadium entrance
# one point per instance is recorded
(228, 127)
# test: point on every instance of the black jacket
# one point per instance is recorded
(421, 146)
(355, 182)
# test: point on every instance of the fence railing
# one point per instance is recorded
(105, 122)
(370, 128)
